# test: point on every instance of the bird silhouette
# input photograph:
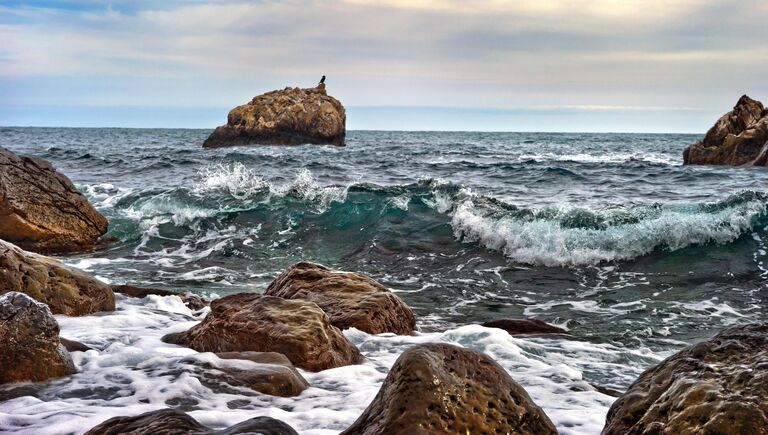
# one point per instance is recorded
(322, 80)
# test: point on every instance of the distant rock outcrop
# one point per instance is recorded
(292, 116)
(718, 386)
(351, 300)
(40, 209)
(740, 137)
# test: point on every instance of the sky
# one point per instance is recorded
(545, 65)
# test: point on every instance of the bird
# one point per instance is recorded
(322, 80)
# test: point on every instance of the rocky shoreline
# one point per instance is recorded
(258, 341)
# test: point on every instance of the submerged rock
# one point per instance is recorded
(740, 137)
(191, 300)
(718, 386)
(173, 422)
(29, 342)
(524, 326)
(351, 300)
(74, 346)
(64, 289)
(292, 116)
(444, 389)
(41, 210)
(298, 329)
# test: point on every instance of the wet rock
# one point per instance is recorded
(351, 300)
(717, 386)
(40, 209)
(300, 330)
(444, 389)
(73, 346)
(292, 116)
(524, 326)
(64, 289)
(29, 341)
(740, 137)
(173, 422)
(191, 300)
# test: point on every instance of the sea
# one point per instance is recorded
(606, 235)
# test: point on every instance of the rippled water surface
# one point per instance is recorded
(604, 234)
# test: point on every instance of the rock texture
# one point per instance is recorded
(40, 209)
(445, 389)
(718, 386)
(29, 342)
(292, 116)
(298, 329)
(524, 326)
(351, 300)
(64, 289)
(740, 137)
(191, 300)
(173, 422)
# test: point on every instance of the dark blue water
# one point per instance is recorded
(605, 234)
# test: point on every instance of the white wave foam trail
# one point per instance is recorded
(133, 372)
(657, 158)
(240, 182)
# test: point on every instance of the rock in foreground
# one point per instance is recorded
(740, 137)
(173, 422)
(445, 389)
(298, 329)
(718, 386)
(64, 289)
(292, 116)
(29, 342)
(40, 209)
(351, 300)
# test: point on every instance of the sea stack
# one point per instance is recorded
(292, 116)
(738, 138)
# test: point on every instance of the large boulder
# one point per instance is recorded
(351, 300)
(444, 389)
(29, 341)
(740, 137)
(298, 329)
(718, 386)
(173, 422)
(64, 289)
(40, 209)
(292, 116)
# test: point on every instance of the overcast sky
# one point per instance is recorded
(544, 65)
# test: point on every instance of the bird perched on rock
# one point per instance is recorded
(322, 80)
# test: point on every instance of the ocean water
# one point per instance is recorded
(606, 235)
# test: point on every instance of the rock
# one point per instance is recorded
(718, 386)
(524, 326)
(173, 422)
(298, 329)
(292, 116)
(29, 341)
(73, 346)
(64, 289)
(191, 300)
(740, 137)
(40, 209)
(266, 372)
(351, 300)
(444, 389)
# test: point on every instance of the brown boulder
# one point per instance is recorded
(351, 300)
(444, 389)
(718, 386)
(40, 209)
(524, 326)
(298, 329)
(173, 422)
(740, 137)
(29, 341)
(64, 289)
(191, 300)
(292, 116)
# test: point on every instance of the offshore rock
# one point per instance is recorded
(444, 389)
(740, 137)
(64, 289)
(29, 342)
(298, 329)
(717, 386)
(40, 209)
(292, 116)
(173, 422)
(351, 300)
